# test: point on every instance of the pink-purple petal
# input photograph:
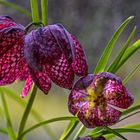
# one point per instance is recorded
(94, 116)
(116, 94)
(61, 73)
(27, 86)
(42, 80)
(79, 63)
(9, 65)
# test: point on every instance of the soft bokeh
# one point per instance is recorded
(93, 22)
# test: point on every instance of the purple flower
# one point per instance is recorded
(12, 63)
(53, 54)
(96, 99)
(47, 54)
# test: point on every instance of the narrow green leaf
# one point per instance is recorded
(69, 129)
(131, 74)
(16, 7)
(135, 126)
(95, 131)
(115, 133)
(129, 115)
(106, 54)
(36, 115)
(47, 122)
(44, 10)
(130, 110)
(121, 53)
(80, 132)
(128, 53)
(10, 129)
(110, 136)
(26, 112)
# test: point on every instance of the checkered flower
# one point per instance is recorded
(96, 99)
(12, 62)
(53, 54)
(47, 54)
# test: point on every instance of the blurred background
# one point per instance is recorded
(93, 22)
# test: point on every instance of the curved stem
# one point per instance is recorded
(26, 112)
(47, 122)
(10, 129)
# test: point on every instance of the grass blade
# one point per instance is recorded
(106, 54)
(121, 53)
(35, 114)
(128, 53)
(10, 129)
(130, 110)
(115, 133)
(47, 122)
(131, 74)
(69, 129)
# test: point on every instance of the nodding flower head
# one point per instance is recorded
(11, 50)
(96, 99)
(47, 54)
(52, 53)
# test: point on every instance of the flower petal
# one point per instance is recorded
(41, 47)
(90, 107)
(11, 50)
(42, 80)
(9, 65)
(61, 73)
(115, 92)
(94, 117)
(79, 63)
(6, 21)
(27, 86)
(10, 33)
(77, 97)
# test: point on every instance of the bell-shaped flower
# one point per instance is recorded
(12, 62)
(53, 54)
(96, 99)
(47, 54)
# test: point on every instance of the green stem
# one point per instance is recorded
(80, 132)
(44, 10)
(47, 122)
(26, 112)
(11, 132)
(16, 7)
(34, 9)
(34, 112)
